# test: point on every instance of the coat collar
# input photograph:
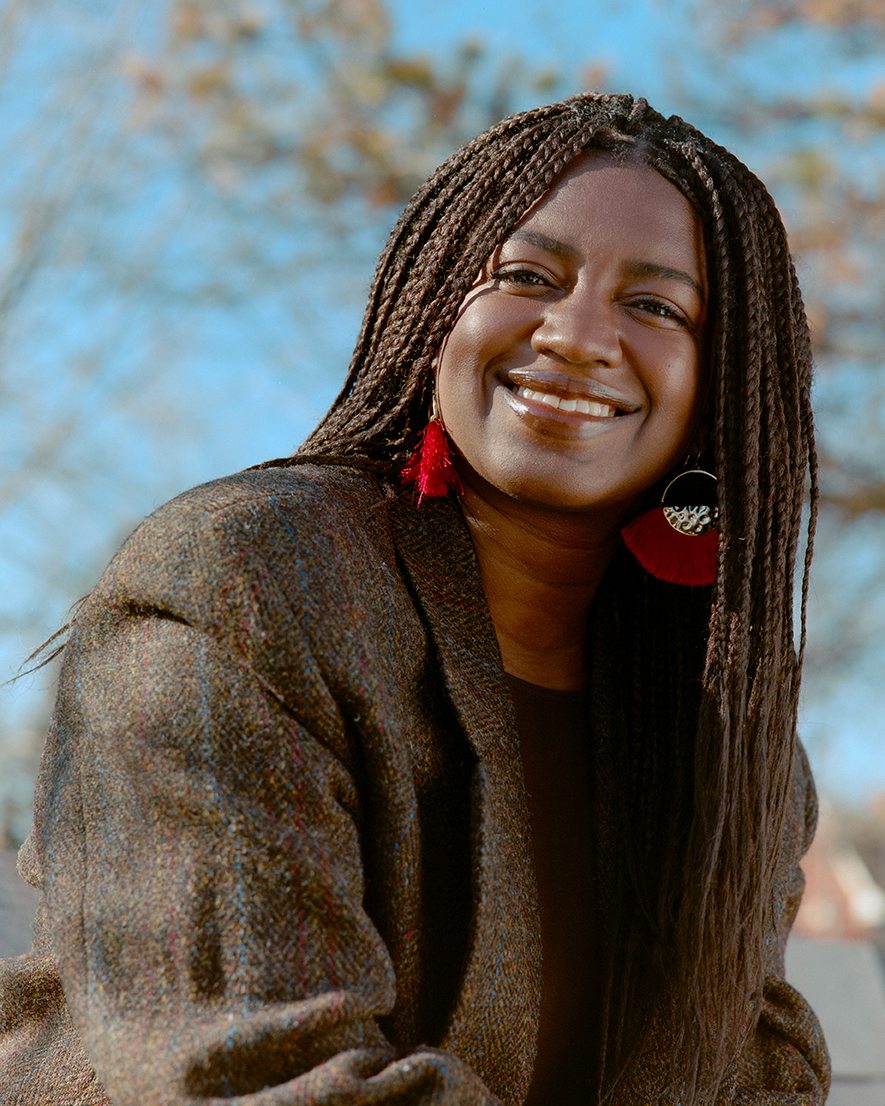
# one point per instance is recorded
(495, 1022)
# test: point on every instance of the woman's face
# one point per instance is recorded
(574, 374)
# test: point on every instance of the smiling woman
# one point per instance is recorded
(596, 296)
(367, 796)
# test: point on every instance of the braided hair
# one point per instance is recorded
(704, 722)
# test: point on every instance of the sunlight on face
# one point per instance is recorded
(573, 376)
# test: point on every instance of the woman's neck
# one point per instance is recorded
(540, 571)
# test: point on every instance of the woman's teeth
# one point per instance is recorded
(582, 406)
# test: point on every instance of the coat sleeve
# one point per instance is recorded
(199, 849)
(786, 1063)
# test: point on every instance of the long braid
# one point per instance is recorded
(702, 727)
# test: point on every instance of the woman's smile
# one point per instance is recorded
(570, 404)
(573, 375)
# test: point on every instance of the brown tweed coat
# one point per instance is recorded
(282, 832)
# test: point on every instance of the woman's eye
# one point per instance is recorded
(666, 312)
(525, 278)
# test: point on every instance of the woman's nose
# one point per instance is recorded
(579, 328)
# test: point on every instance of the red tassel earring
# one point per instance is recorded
(676, 543)
(430, 466)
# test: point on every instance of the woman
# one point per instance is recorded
(358, 795)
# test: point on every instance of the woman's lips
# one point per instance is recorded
(567, 395)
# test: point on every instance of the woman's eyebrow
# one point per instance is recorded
(552, 245)
(664, 272)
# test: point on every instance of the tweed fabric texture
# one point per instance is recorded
(282, 833)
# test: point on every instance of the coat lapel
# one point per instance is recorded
(494, 1025)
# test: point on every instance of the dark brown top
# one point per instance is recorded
(552, 728)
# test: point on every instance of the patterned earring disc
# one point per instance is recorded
(689, 502)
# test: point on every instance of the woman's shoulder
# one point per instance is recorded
(290, 576)
(314, 492)
(255, 528)
(300, 503)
